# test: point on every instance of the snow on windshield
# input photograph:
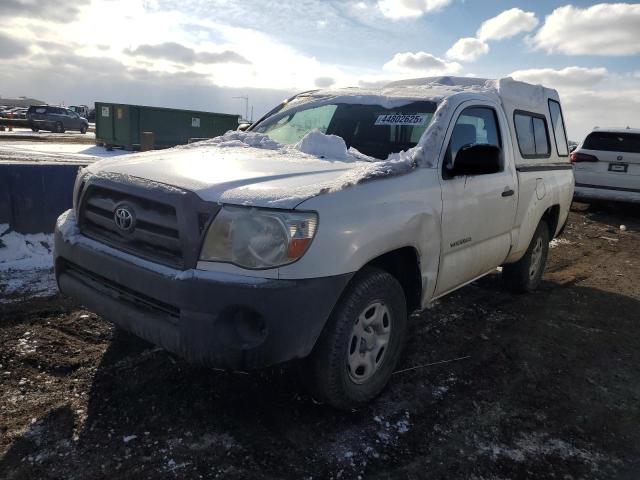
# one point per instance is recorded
(317, 144)
(372, 129)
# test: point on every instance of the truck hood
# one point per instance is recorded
(236, 175)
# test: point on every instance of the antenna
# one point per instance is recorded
(246, 105)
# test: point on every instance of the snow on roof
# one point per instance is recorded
(397, 94)
(511, 93)
(617, 130)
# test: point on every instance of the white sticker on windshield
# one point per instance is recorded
(402, 119)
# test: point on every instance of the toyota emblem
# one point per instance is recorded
(124, 219)
(620, 157)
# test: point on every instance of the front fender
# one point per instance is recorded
(363, 222)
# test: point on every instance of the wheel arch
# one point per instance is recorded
(404, 265)
(552, 216)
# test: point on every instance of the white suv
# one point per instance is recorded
(607, 165)
(317, 232)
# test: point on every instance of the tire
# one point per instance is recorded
(351, 363)
(59, 127)
(34, 129)
(524, 276)
(83, 130)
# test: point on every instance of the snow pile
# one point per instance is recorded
(314, 143)
(26, 264)
(556, 242)
(324, 146)
(240, 139)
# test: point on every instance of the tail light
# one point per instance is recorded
(577, 157)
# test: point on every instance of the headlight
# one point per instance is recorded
(77, 188)
(258, 238)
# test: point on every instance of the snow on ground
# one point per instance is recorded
(55, 152)
(556, 242)
(26, 265)
(536, 445)
(27, 133)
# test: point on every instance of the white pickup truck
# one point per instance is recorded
(317, 232)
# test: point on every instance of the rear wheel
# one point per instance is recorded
(361, 343)
(525, 275)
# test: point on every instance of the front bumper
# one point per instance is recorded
(214, 319)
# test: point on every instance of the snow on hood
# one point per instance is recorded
(250, 168)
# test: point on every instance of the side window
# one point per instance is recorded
(559, 130)
(540, 135)
(475, 125)
(532, 134)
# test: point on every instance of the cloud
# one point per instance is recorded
(221, 57)
(467, 50)
(374, 83)
(569, 77)
(64, 12)
(324, 82)
(421, 62)
(116, 82)
(603, 29)
(398, 9)
(590, 96)
(11, 48)
(508, 24)
(587, 109)
(178, 53)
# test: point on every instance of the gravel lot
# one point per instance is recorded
(546, 385)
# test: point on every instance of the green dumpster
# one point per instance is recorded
(122, 125)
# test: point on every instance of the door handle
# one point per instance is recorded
(508, 192)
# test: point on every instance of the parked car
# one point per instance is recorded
(607, 165)
(81, 110)
(56, 119)
(244, 252)
(14, 112)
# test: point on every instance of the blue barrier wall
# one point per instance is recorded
(32, 195)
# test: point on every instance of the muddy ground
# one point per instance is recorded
(548, 386)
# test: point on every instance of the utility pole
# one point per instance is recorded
(246, 105)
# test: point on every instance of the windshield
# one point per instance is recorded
(371, 129)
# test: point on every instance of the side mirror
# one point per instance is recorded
(243, 127)
(572, 148)
(477, 159)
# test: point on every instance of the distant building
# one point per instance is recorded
(20, 102)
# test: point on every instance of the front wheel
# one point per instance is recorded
(525, 275)
(83, 129)
(361, 343)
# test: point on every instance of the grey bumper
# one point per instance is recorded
(214, 319)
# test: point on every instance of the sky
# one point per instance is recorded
(202, 54)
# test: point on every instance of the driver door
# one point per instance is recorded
(478, 211)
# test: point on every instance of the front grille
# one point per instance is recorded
(156, 235)
(170, 223)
